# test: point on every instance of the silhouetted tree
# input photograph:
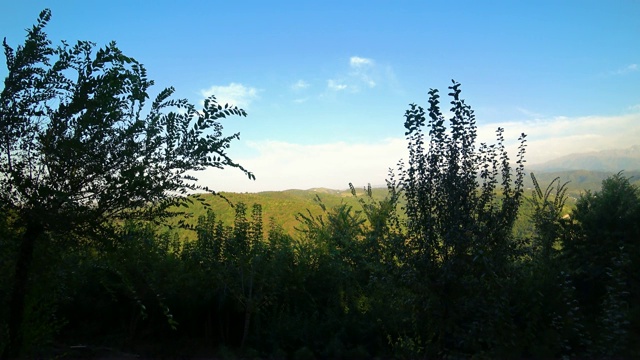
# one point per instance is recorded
(78, 148)
(603, 254)
(462, 202)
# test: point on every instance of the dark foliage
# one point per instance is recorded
(78, 151)
(434, 270)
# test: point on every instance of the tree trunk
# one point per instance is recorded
(20, 287)
(247, 312)
(247, 322)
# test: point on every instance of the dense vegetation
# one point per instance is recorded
(434, 267)
(282, 207)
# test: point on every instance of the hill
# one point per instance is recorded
(283, 206)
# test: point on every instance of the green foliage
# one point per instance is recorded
(603, 255)
(331, 291)
(607, 220)
(282, 206)
(460, 245)
(434, 266)
(547, 217)
(546, 292)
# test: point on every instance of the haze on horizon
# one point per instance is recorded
(326, 84)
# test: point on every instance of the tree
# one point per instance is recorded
(603, 254)
(461, 204)
(608, 220)
(79, 149)
(546, 296)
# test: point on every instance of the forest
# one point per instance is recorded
(101, 255)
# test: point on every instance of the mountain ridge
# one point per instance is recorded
(611, 160)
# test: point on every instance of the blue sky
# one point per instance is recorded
(326, 83)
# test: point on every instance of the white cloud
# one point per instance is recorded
(282, 165)
(362, 72)
(233, 94)
(299, 85)
(335, 85)
(357, 62)
(554, 137)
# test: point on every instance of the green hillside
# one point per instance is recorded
(281, 206)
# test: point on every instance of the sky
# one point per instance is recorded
(326, 83)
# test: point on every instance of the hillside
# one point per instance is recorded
(281, 206)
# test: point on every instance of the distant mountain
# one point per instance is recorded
(607, 160)
(578, 180)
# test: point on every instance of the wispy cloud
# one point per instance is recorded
(357, 62)
(335, 85)
(233, 94)
(529, 113)
(627, 69)
(280, 165)
(558, 136)
(299, 85)
(362, 69)
(362, 73)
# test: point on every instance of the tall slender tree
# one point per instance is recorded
(461, 203)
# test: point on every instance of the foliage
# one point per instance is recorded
(607, 220)
(547, 218)
(75, 141)
(438, 265)
(78, 149)
(547, 295)
(603, 255)
(459, 246)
